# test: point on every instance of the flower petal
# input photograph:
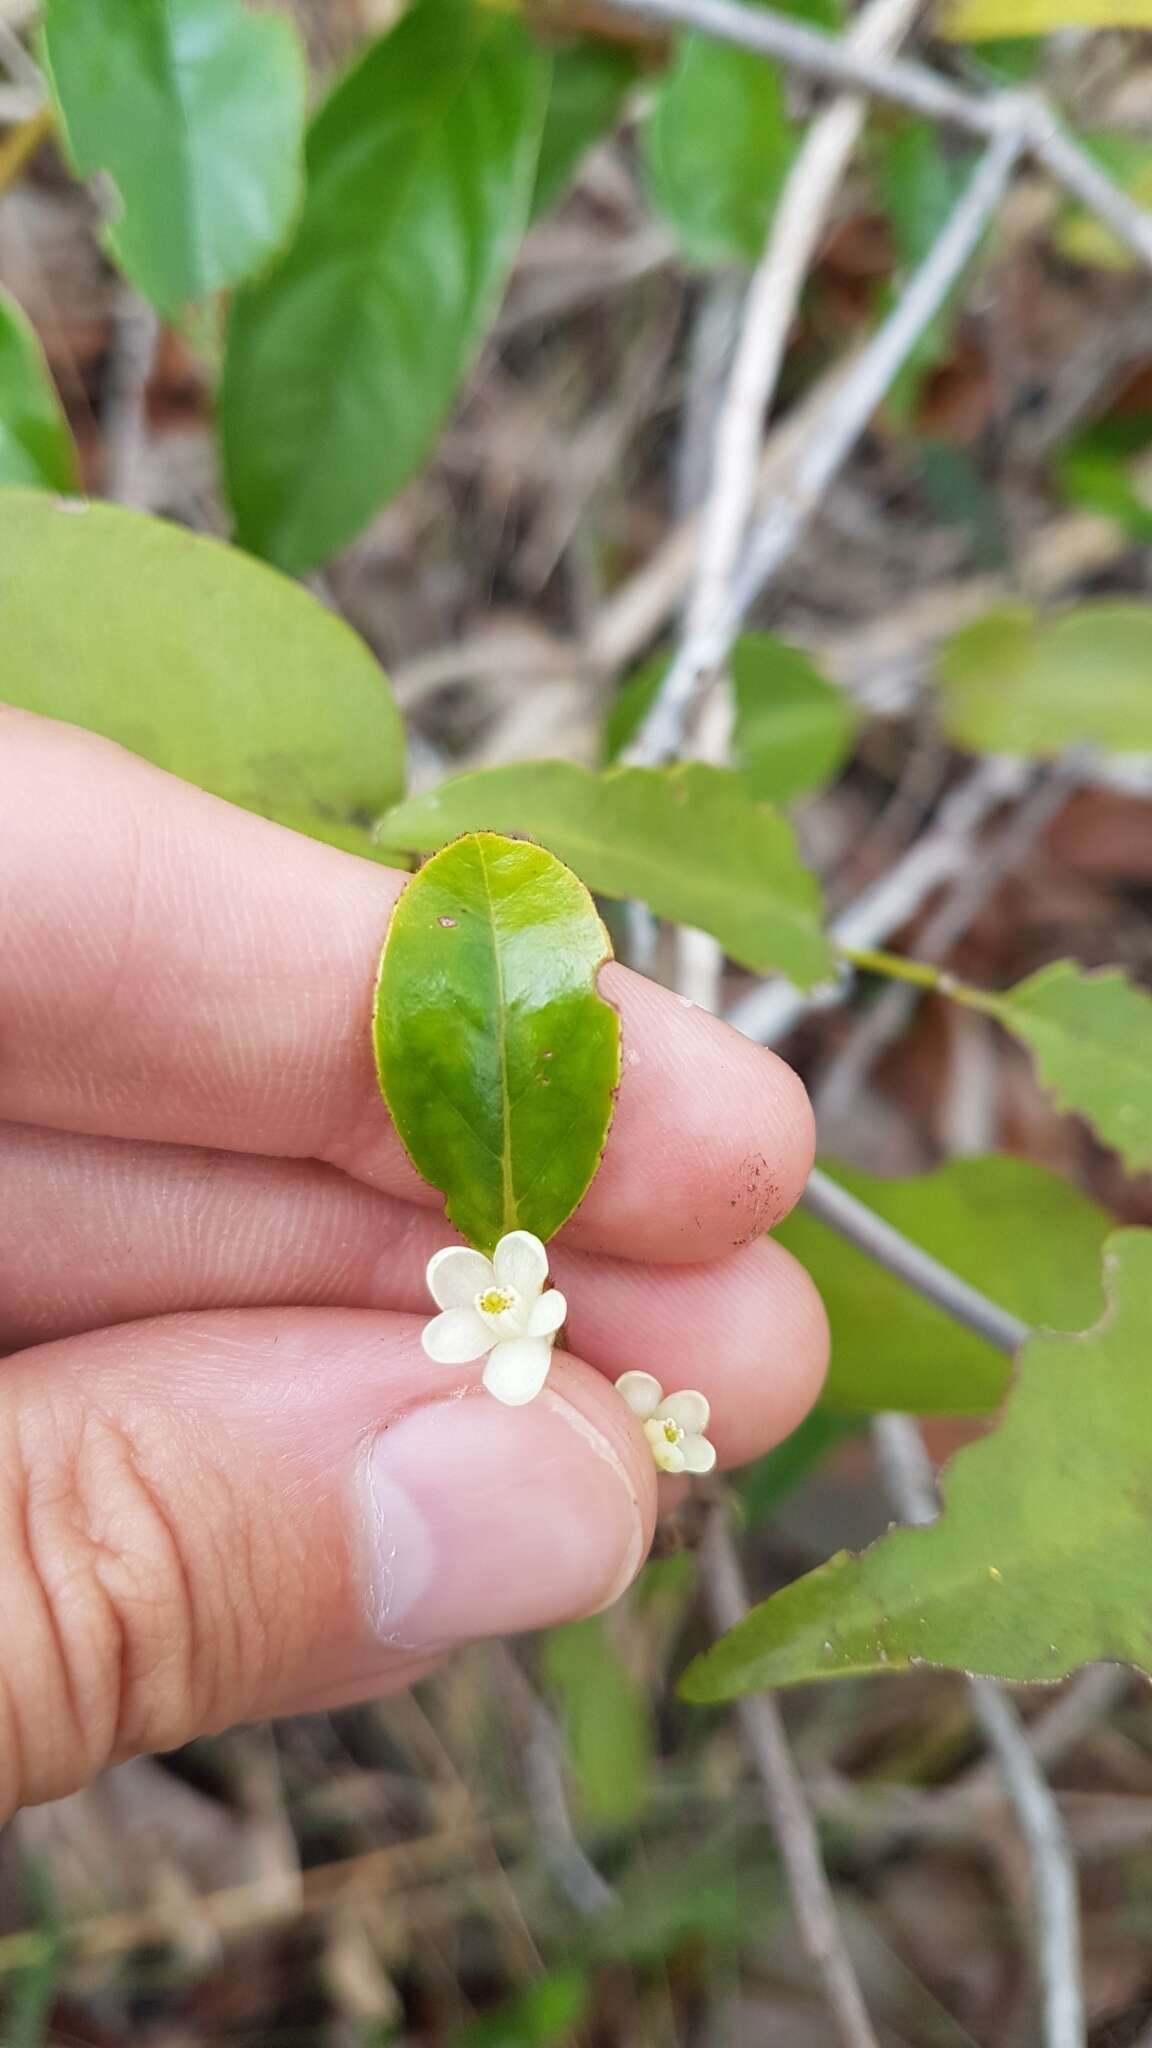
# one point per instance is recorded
(456, 1276)
(520, 1261)
(689, 1409)
(698, 1454)
(456, 1337)
(516, 1371)
(547, 1314)
(642, 1393)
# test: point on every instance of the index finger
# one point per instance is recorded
(177, 969)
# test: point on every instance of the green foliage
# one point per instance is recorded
(590, 82)
(1094, 470)
(976, 20)
(1091, 1037)
(210, 665)
(718, 144)
(607, 1731)
(1080, 235)
(30, 1994)
(544, 2013)
(343, 363)
(1011, 684)
(687, 841)
(1042, 1557)
(497, 1058)
(1019, 1233)
(792, 729)
(920, 181)
(35, 442)
(195, 109)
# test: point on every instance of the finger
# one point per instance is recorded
(179, 970)
(101, 1231)
(209, 1519)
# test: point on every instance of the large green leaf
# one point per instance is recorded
(497, 1058)
(687, 840)
(1042, 1558)
(35, 443)
(1021, 1234)
(204, 662)
(590, 82)
(1091, 1037)
(606, 1723)
(195, 109)
(1010, 684)
(979, 20)
(342, 364)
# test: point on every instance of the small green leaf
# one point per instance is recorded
(1010, 684)
(1042, 1558)
(986, 20)
(497, 1058)
(201, 660)
(1091, 1038)
(342, 365)
(590, 82)
(195, 108)
(793, 728)
(688, 841)
(717, 148)
(541, 2016)
(1080, 235)
(1094, 470)
(607, 1728)
(1021, 1234)
(35, 442)
(920, 182)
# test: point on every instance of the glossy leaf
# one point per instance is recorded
(343, 364)
(1022, 1235)
(1091, 1038)
(688, 841)
(1042, 1558)
(793, 730)
(35, 441)
(1011, 684)
(605, 1720)
(202, 661)
(497, 1058)
(195, 110)
(987, 20)
(590, 82)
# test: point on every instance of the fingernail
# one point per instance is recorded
(486, 1520)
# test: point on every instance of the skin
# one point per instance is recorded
(231, 1484)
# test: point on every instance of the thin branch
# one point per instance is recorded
(125, 405)
(840, 62)
(974, 884)
(784, 1797)
(772, 1010)
(911, 1482)
(833, 437)
(887, 1247)
(793, 239)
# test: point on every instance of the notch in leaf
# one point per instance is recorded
(497, 1058)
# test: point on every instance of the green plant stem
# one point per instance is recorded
(871, 960)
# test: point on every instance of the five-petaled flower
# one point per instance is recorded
(674, 1427)
(496, 1307)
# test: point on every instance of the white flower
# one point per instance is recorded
(497, 1307)
(674, 1427)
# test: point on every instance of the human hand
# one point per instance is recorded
(231, 1483)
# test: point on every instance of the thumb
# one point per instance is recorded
(206, 1519)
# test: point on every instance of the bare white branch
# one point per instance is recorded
(911, 1482)
(788, 1809)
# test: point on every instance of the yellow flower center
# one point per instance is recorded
(495, 1300)
(673, 1434)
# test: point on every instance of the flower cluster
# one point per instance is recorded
(501, 1309)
